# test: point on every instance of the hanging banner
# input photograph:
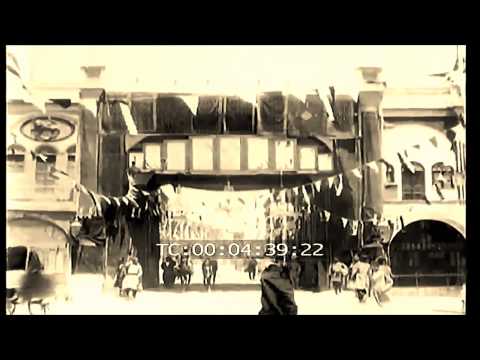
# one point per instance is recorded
(327, 215)
(330, 181)
(305, 195)
(354, 227)
(339, 187)
(317, 185)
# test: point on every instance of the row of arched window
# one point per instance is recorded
(44, 157)
(413, 183)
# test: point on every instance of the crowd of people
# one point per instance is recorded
(366, 278)
(278, 279)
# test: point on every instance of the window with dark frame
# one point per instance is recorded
(413, 184)
(44, 163)
(15, 159)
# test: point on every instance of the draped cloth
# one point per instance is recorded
(173, 115)
(349, 203)
(238, 116)
(142, 113)
(112, 163)
(208, 117)
(145, 237)
(272, 113)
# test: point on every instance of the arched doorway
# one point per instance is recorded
(428, 253)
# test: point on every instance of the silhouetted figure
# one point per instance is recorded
(277, 290)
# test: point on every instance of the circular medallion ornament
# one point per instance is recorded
(47, 129)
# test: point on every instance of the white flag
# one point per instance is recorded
(317, 185)
(107, 200)
(339, 187)
(305, 195)
(327, 215)
(373, 165)
(357, 173)
(354, 227)
(330, 181)
(344, 222)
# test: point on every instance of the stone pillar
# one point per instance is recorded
(371, 122)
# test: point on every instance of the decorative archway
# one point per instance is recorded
(428, 253)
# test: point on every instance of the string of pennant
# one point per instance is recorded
(357, 172)
(131, 198)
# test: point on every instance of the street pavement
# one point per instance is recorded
(88, 299)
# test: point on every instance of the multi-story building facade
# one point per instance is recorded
(426, 126)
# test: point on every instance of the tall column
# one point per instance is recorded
(371, 122)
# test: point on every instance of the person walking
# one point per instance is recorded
(295, 269)
(350, 282)
(338, 271)
(207, 273)
(277, 293)
(360, 277)
(381, 280)
(132, 282)
(120, 274)
(168, 267)
(214, 267)
(252, 268)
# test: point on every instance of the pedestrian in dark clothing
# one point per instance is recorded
(277, 291)
(295, 269)
(252, 268)
(120, 275)
(168, 267)
(214, 266)
(207, 273)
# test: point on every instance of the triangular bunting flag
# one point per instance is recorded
(317, 185)
(404, 160)
(354, 227)
(295, 190)
(304, 192)
(417, 146)
(357, 173)
(117, 201)
(344, 222)
(373, 165)
(434, 142)
(439, 191)
(339, 187)
(327, 215)
(107, 200)
(330, 181)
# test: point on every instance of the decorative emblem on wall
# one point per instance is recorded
(47, 129)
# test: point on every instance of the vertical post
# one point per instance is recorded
(154, 113)
(416, 280)
(105, 262)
